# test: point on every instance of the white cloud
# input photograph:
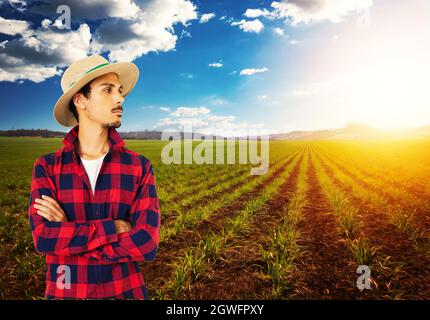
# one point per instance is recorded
(164, 122)
(214, 100)
(218, 102)
(262, 97)
(251, 71)
(129, 30)
(185, 33)
(255, 13)
(227, 19)
(206, 17)
(33, 72)
(308, 11)
(202, 121)
(294, 41)
(19, 5)
(38, 53)
(13, 27)
(150, 30)
(92, 10)
(249, 26)
(215, 65)
(181, 122)
(187, 75)
(165, 109)
(221, 118)
(278, 31)
(189, 112)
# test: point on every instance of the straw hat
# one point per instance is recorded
(85, 70)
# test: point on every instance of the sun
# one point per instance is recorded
(389, 91)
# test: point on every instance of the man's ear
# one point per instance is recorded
(79, 101)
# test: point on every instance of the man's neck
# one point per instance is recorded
(92, 141)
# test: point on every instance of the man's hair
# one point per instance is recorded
(85, 90)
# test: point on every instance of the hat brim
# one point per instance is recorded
(127, 72)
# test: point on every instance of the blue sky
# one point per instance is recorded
(278, 66)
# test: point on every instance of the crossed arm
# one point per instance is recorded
(51, 210)
(106, 240)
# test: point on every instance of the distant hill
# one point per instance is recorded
(353, 131)
(422, 131)
(349, 132)
(45, 133)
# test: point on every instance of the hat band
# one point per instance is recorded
(92, 69)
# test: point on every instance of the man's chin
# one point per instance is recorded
(115, 124)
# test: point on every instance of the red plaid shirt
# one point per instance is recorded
(85, 257)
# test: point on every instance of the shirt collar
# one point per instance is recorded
(114, 139)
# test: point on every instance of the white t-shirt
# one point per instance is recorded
(92, 167)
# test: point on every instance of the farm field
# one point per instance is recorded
(298, 232)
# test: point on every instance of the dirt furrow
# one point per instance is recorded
(238, 273)
(421, 205)
(415, 189)
(414, 281)
(156, 271)
(213, 197)
(326, 270)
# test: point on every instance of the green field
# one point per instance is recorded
(297, 232)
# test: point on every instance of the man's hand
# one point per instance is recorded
(50, 209)
(122, 226)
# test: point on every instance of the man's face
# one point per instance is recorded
(104, 105)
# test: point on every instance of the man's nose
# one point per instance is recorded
(119, 99)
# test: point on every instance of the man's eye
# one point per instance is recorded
(107, 89)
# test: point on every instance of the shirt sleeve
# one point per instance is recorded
(63, 238)
(141, 243)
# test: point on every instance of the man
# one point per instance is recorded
(93, 206)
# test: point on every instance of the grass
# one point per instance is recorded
(280, 258)
(346, 213)
(400, 216)
(389, 177)
(363, 252)
(234, 227)
(282, 252)
(405, 221)
(188, 218)
(212, 246)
